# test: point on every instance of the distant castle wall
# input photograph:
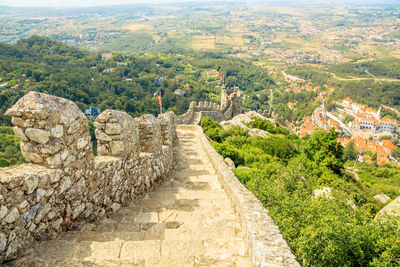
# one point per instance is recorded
(64, 184)
(231, 105)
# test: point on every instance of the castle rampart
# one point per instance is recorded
(64, 184)
(231, 105)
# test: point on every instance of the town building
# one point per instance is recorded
(105, 56)
(387, 124)
(308, 127)
(92, 112)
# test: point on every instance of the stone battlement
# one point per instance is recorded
(207, 106)
(231, 105)
(64, 184)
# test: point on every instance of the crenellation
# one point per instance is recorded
(48, 131)
(117, 134)
(149, 134)
(231, 105)
(64, 184)
(167, 124)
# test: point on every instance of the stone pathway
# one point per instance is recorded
(187, 221)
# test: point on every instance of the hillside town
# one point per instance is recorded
(371, 134)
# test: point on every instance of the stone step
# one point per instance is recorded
(187, 221)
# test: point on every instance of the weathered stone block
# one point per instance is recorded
(117, 147)
(113, 128)
(3, 242)
(20, 133)
(37, 135)
(82, 142)
(57, 131)
(100, 135)
(30, 154)
(31, 183)
(3, 212)
(12, 216)
(54, 160)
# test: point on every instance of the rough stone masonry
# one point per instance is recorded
(64, 184)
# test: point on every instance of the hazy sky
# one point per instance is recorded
(36, 3)
(61, 3)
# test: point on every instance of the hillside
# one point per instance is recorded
(326, 217)
(121, 82)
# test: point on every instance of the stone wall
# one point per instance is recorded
(231, 105)
(265, 244)
(187, 117)
(215, 115)
(198, 110)
(63, 184)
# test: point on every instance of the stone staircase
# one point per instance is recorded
(187, 221)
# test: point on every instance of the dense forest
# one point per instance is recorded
(335, 228)
(122, 82)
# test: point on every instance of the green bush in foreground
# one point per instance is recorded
(283, 172)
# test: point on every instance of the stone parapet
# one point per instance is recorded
(167, 124)
(117, 134)
(187, 117)
(64, 184)
(202, 108)
(149, 133)
(206, 106)
(265, 244)
(53, 131)
(231, 105)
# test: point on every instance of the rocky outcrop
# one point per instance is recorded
(229, 162)
(64, 184)
(242, 119)
(383, 199)
(325, 192)
(391, 209)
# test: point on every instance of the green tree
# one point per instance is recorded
(323, 149)
(348, 118)
(396, 153)
(349, 153)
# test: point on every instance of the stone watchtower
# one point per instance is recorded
(231, 102)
